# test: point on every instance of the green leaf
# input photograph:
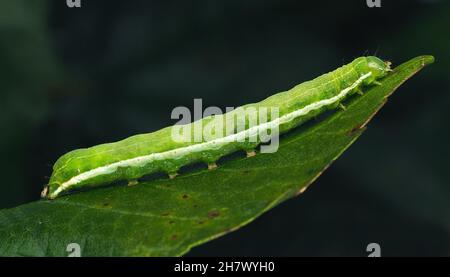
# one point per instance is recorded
(168, 217)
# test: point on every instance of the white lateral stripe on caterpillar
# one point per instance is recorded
(142, 160)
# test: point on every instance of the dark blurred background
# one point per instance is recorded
(72, 78)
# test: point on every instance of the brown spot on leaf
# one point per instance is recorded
(213, 214)
(105, 204)
(171, 222)
(173, 237)
(185, 196)
(355, 129)
(165, 213)
(201, 222)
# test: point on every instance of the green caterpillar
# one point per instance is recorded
(140, 155)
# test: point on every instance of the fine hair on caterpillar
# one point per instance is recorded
(215, 135)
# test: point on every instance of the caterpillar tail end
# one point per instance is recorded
(44, 192)
(251, 153)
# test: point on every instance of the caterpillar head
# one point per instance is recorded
(378, 68)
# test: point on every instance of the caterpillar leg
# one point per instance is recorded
(173, 175)
(251, 153)
(342, 106)
(212, 166)
(359, 91)
(377, 83)
(132, 183)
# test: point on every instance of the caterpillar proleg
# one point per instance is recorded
(136, 156)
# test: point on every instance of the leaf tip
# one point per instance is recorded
(427, 59)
